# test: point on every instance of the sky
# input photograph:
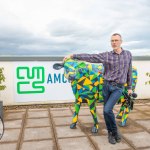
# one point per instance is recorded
(62, 27)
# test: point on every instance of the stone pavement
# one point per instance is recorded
(48, 129)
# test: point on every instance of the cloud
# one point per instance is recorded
(67, 26)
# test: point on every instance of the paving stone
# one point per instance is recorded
(7, 146)
(133, 111)
(82, 107)
(100, 104)
(38, 122)
(138, 104)
(37, 133)
(143, 108)
(84, 111)
(130, 128)
(10, 135)
(37, 114)
(147, 113)
(16, 115)
(87, 128)
(117, 106)
(87, 119)
(103, 144)
(65, 131)
(15, 110)
(138, 115)
(145, 123)
(62, 120)
(62, 112)
(38, 109)
(140, 139)
(38, 145)
(101, 118)
(13, 124)
(117, 110)
(60, 108)
(99, 111)
(81, 143)
(102, 128)
(99, 107)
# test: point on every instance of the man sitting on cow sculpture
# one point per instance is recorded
(87, 83)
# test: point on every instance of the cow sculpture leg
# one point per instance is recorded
(76, 113)
(92, 106)
(123, 114)
(121, 111)
(124, 117)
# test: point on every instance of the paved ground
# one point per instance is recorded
(48, 129)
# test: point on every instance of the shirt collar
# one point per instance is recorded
(116, 53)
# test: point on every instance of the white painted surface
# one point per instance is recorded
(55, 92)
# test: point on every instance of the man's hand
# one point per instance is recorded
(67, 57)
(129, 91)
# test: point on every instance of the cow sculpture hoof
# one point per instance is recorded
(94, 129)
(120, 124)
(73, 126)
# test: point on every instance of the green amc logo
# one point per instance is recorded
(30, 80)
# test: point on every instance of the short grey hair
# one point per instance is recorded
(117, 34)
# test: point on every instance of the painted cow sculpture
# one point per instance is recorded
(87, 82)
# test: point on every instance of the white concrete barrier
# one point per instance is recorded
(27, 82)
(143, 86)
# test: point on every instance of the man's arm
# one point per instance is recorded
(93, 58)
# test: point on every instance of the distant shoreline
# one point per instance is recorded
(53, 58)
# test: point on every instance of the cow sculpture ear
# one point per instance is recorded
(58, 66)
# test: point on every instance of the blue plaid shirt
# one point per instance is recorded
(117, 67)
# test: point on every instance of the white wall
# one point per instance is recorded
(54, 92)
(142, 89)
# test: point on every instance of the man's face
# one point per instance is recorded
(116, 42)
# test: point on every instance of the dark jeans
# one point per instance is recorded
(111, 94)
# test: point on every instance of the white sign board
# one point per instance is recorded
(38, 81)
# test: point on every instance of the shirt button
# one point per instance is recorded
(117, 81)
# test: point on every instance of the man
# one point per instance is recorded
(117, 71)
